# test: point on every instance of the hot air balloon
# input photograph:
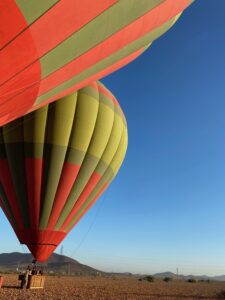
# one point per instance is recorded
(56, 162)
(50, 48)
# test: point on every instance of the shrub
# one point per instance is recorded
(202, 280)
(149, 278)
(192, 280)
(167, 279)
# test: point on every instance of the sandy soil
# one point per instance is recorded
(110, 288)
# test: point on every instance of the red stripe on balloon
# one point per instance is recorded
(153, 19)
(90, 205)
(94, 179)
(12, 21)
(6, 180)
(68, 177)
(34, 178)
(67, 16)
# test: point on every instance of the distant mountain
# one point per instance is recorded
(166, 274)
(56, 264)
(186, 277)
(219, 278)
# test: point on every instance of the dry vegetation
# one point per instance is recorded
(111, 288)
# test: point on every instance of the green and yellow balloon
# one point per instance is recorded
(57, 161)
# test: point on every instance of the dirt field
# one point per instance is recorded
(109, 288)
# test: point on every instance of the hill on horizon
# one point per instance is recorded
(56, 264)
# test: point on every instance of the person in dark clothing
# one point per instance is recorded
(34, 267)
(24, 279)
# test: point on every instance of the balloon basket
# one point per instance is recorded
(36, 282)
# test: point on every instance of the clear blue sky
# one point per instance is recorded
(166, 208)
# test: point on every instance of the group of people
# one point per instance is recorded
(31, 270)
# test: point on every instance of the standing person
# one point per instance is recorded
(25, 278)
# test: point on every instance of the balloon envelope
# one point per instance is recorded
(56, 162)
(49, 48)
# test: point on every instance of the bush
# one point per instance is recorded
(202, 280)
(192, 280)
(140, 279)
(167, 279)
(149, 278)
(221, 295)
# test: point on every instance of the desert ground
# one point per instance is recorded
(111, 288)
